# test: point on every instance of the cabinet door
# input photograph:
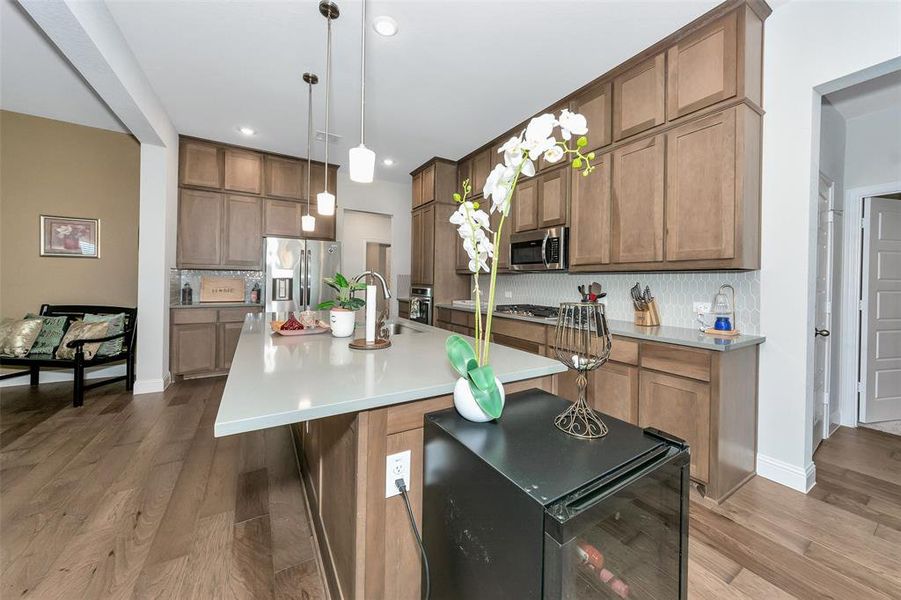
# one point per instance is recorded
(325, 227)
(553, 197)
(317, 183)
(200, 164)
(681, 407)
(525, 205)
(417, 190)
(243, 242)
(481, 165)
(427, 274)
(428, 185)
(614, 391)
(701, 69)
(243, 171)
(503, 253)
(229, 333)
(464, 172)
(200, 217)
(461, 259)
(416, 248)
(595, 105)
(700, 189)
(281, 218)
(285, 178)
(193, 348)
(638, 98)
(636, 227)
(589, 242)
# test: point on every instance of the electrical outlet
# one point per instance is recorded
(702, 308)
(508, 294)
(397, 466)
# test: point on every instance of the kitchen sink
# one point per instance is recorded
(400, 328)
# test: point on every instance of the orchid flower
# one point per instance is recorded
(572, 123)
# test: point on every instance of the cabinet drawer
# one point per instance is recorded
(236, 315)
(523, 330)
(459, 317)
(193, 315)
(518, 343)
(677, 360)
(442, 315)
(624, 350)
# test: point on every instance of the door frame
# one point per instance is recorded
(826, 431)
(852, 271)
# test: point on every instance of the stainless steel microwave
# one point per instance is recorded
(541, 250)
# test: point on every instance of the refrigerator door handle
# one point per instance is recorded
(309, 282)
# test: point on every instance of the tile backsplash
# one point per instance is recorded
(178, 278)
(675, 293)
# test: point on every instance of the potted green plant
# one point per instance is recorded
(342, 310)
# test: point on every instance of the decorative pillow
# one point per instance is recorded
(116, 325)
(52, 332)
(80, 330)
(17, 337)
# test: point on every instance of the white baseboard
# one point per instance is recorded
(49, 375)
(787, 474)
(152, 386)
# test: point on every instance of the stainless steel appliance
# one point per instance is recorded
(517, 509)
(421, 304)
(541, 250)
(528, 310)
(294, 272)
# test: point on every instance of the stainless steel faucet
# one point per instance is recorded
(381, 331)
(385, 290)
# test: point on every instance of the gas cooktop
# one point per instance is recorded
(528, 310)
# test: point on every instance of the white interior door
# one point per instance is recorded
(881, 314)
(823, 314)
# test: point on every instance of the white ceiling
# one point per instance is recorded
(873, 95)
(456, 75)
(36, 79)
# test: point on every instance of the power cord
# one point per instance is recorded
(402, 488)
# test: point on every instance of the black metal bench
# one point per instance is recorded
(34, 362)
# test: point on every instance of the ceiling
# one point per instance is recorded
(873, 95)
(456, 75)
(37, 79)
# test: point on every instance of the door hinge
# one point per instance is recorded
(860, 305)
(863, 223)
(828, 309)
(861, 387)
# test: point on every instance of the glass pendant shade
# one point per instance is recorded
(325, 203)
(362, 164)
(308, 223)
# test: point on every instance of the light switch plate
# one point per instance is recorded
(508, 294)
(396, 466)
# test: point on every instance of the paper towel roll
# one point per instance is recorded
(370, 314)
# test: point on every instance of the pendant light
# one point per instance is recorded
(362, 159)
(325, 201)
(308, 221)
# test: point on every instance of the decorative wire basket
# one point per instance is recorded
(582, 343)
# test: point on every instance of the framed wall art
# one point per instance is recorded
(70, 236)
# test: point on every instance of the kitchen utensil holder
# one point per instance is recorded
(582, 343)
(649, 317)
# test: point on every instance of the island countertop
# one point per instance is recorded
(278, 380)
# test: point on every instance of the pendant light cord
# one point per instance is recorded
(328, 89)
(309, 139)
(363, 77)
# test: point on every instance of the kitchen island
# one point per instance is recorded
(348, 410)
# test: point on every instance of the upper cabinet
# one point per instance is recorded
(243, 171)
(200, 164)
(701, 69)
(596, 106)
(481, 166)
(553, 197)
(243, 225)
(636, 230)
(590, 231)
(424, 186)
(216, 231)
(525, 205)
(285, 178)
(638, 98)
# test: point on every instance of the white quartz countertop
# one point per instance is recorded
(277, 380)
(682, 336)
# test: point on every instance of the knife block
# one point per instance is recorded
(650, 317)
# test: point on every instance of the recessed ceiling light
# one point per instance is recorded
(247, 130)
(385, 26)
(388, 162)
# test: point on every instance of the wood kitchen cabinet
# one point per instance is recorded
(464, 172)
(424, 186)
(553, 197)
(636, 218)
(243, 171)
(242, 243)
(281, 218)
(638, 98)
(525, 205)
(596, 106)
(200, 217)
(590, 207)
(203, 340)
(228, 336)
(417, 190)
(423, 246)
(481, 166)
(200, 164)
(701, 68)
(284, 177)
(193, 348)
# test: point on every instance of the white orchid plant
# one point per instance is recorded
(539, 139)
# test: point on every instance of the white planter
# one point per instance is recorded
(342, 322)
(467, 406)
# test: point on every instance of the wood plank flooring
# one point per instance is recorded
(132, 497)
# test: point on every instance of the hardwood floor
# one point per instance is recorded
(134, 498)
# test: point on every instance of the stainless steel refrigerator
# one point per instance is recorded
(295, 270)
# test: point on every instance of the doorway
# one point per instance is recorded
(824, 404)
(378, 259)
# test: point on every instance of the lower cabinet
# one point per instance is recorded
(203, 340)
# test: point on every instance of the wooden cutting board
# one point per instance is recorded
(222, 289)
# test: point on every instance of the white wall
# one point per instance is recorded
(360, 227)
(380, 197)
(873, 150)
(808, 44)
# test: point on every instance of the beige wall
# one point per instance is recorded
(56, 168)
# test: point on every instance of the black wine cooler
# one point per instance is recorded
(518, 509)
